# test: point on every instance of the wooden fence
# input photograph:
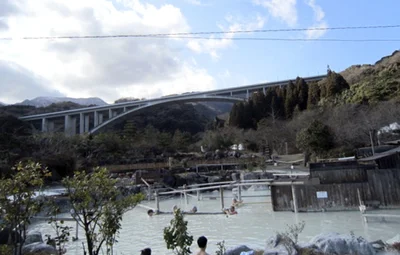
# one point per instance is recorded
(380, 187)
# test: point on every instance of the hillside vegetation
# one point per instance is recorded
(350, 107)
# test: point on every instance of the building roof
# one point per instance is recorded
(381, 155)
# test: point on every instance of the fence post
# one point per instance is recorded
(221, 193)
(157, 200)
(294, 195)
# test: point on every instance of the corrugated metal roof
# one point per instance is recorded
(381, 155)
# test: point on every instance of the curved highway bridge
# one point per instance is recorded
(94, 119)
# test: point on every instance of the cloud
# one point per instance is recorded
(7, 8)
(211, 45)
(107, 68)
(194, 2)
(319, 21)
(18, 82)
(284, 10)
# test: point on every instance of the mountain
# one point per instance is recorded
(46, 101)
(1, 104)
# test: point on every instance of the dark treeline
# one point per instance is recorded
(284, 102)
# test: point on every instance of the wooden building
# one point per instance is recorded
(376, 179)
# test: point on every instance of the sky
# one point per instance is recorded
(152, 67)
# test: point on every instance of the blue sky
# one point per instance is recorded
(254, 61)
(146, 68)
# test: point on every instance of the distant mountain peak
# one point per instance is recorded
(46, 101)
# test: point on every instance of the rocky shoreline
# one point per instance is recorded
(323, 244)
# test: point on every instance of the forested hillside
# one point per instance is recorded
(350, 110)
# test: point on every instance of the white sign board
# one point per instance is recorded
(322, 194)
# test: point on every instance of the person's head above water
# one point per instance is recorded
(150, 212)
(202, 242)
(232, 208)
(146, 251)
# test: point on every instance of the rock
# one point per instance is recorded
(248, 176)
(395, 239)
(38, 248)
(334, 243)
(378, 245)
(211, 179)
(237, 250)
(33, 237)
(34, 245)
(277, 245)
(235, 176)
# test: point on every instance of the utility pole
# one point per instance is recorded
(372, 142)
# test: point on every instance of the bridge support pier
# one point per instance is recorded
(101, 118)
(44, 125)
(264, 91)
(81, 123)
(69, 125)
(96, 118)
(86, 124)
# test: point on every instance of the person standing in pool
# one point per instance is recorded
(202, 243)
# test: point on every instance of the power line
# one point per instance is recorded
(168, 35)
(283, 39)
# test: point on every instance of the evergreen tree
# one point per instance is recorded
(313, 95)
(290, 100)
(335, 84)
(259, 105)
(248, 119)
(316, 138)
(302, 93)
(233, 115)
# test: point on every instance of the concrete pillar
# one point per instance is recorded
(100, 118)
(96, 118)
(247, 94)
(124, 109)
(231, 94)
(264, 91)
(81, 123)
(87, 123)
(67, 125)
(44, 125)
(114, 113)
(73, 125)
(294, 195)
(50, 126)
(110, 113)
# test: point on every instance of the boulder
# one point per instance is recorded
(249, 176)
(277, 245)
(38, 248)
(211, 179)
(34, 245)
(334, 243)
(235, 176)
(238, 250)
(395, 239)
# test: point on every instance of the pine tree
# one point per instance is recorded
(302, 93)
(290, 100)
(335, 84)
(313, 95)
